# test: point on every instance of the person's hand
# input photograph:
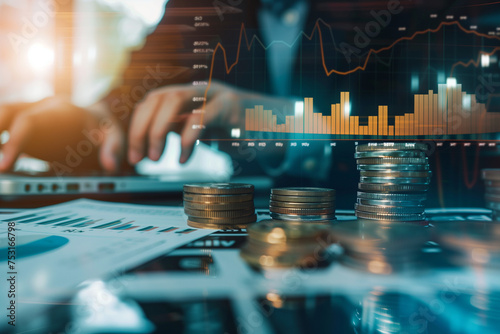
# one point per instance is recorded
(171, 109)
(57, 131)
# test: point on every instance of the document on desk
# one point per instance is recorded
(50, 250)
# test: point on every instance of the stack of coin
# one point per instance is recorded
(380, 249)
(393, 180)
(491, 178)
(279, 244)
(219, 206)
(303, 204)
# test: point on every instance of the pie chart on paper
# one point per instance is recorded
(31, 245)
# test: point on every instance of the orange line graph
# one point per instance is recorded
(317, 28)
(472, 61)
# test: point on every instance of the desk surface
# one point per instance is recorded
(205, 287)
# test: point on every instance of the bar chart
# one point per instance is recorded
(450, 111)
(69, 219)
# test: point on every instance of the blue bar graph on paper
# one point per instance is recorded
(32, 220)
(123, 227)
(85, 224)
(53, 221)
(73, 221)
(113, 223)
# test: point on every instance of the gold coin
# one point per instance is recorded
(302, 199)
(218, 214)
(323, 205)
(217, 198)
(224, 221)
(303, 191)
(307, 212)
(219, 188)
(220, 206)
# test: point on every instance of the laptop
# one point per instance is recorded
(32, 177)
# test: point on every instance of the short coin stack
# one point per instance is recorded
(219, 206)
(279, 244)
(312, 205)
(393, 180)
(491, 178)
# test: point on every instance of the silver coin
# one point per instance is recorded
(392, 161)
(491, 174)
(387, 154)
(303, 191)
(391, 146)
(392, 187)
(390, 217)
(392, 173)
(394, 167)
(392, 197)
(395, 180)
(322, 205)
(302, 212)
(418, 209)
(304, 218)
(302, 199)
(388, 202)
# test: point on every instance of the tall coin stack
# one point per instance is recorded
(491, 179)
(219, 206)
(312, 205)
(393, 180)
(279, 244)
